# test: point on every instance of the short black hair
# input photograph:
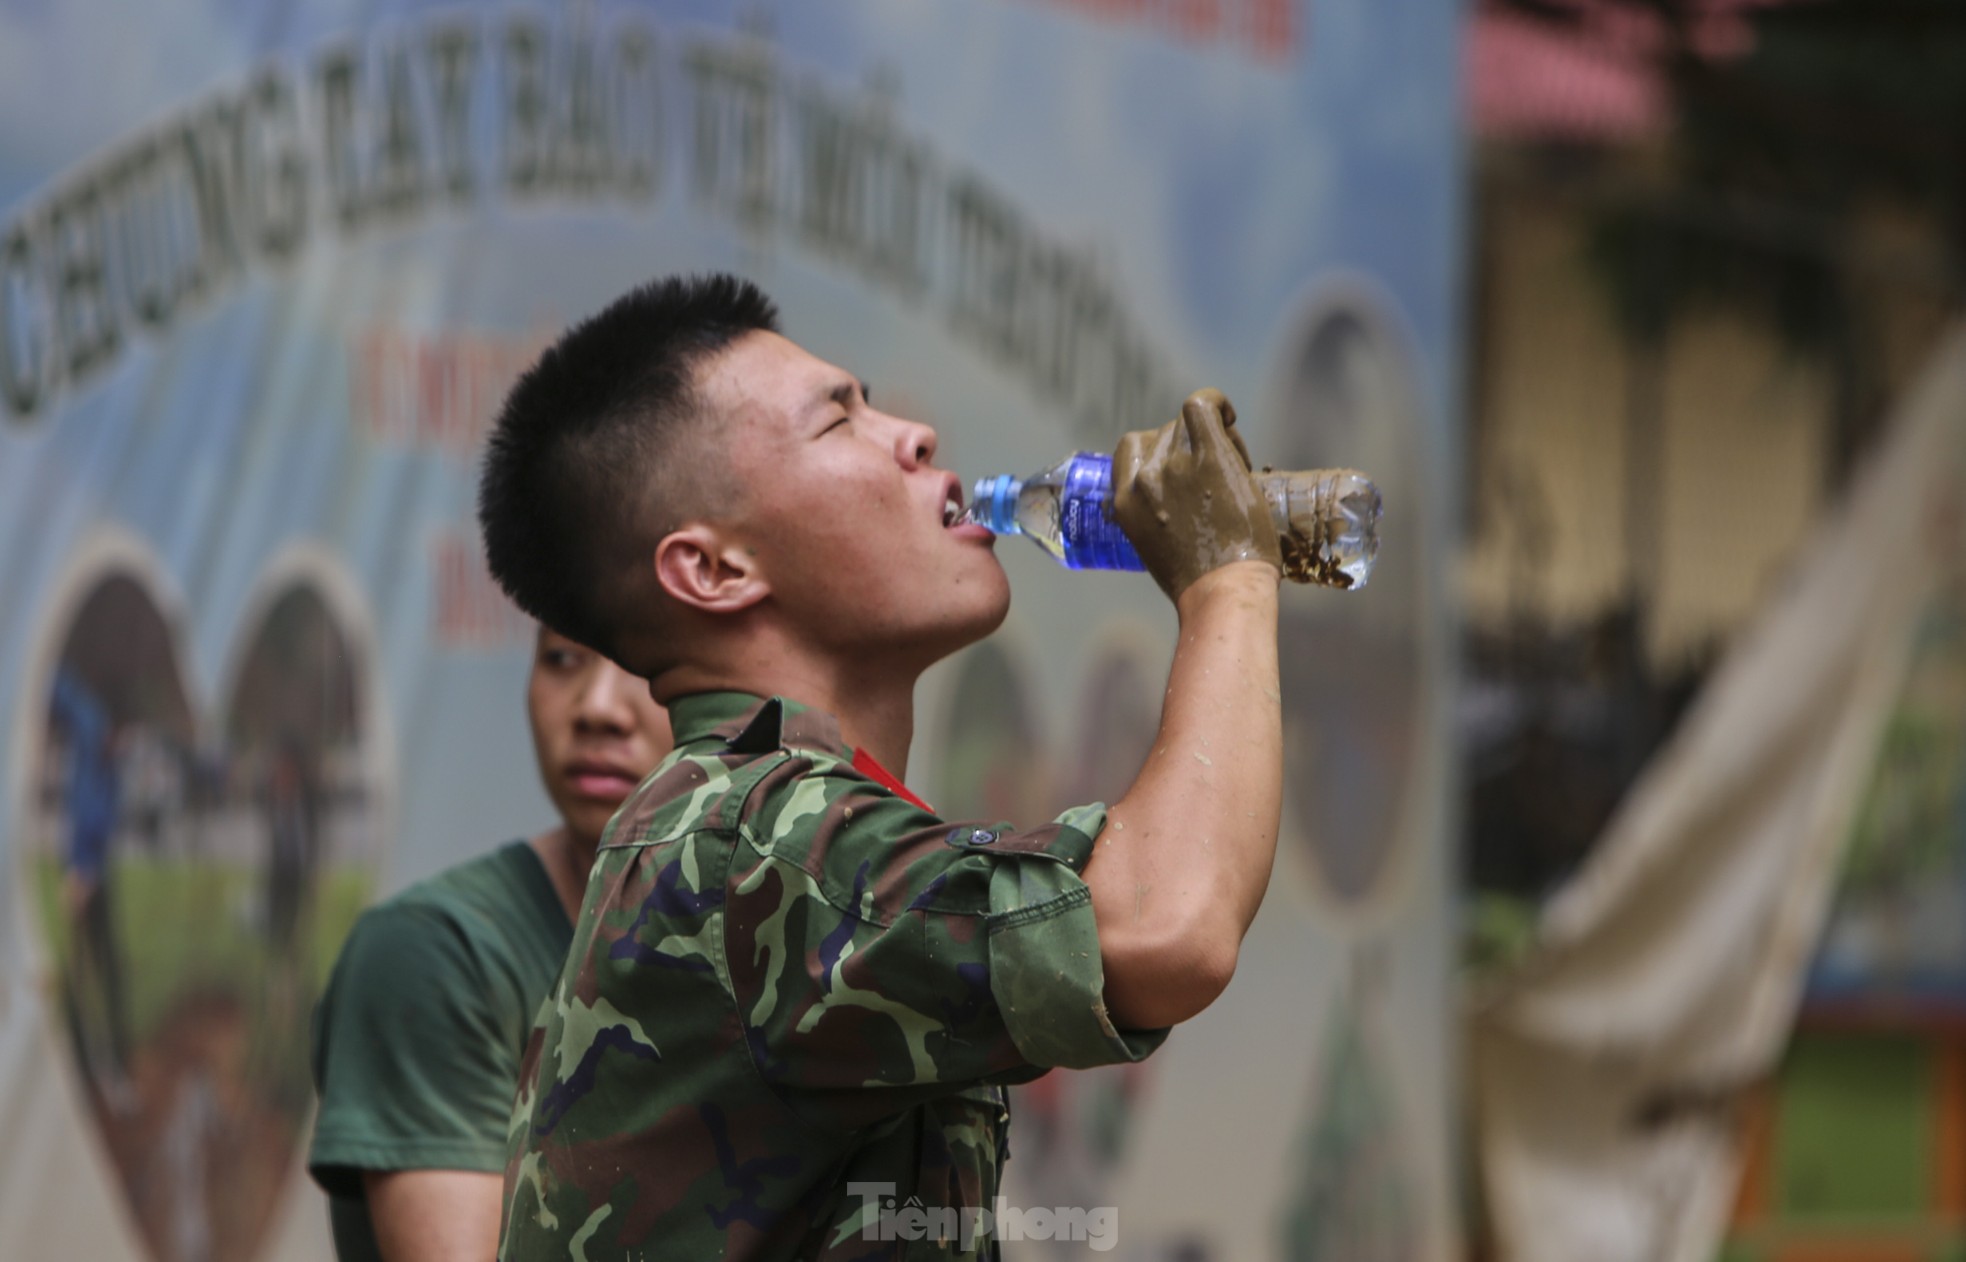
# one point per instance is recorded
(580, 445)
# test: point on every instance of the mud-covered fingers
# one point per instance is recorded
(1209, 419)
(1128, 458)
(1235, 438)
(1209, 399)
(1141, 454)
(1235, 435)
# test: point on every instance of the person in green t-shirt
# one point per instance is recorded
(418, 1037)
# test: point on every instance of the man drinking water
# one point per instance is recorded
(790, 978)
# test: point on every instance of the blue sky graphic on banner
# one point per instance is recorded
(266, 271)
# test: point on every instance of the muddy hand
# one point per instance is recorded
(1185, 496)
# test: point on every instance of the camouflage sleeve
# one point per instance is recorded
(879, 955)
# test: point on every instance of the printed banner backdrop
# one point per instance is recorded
(265, 271)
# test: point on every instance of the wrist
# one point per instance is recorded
(1238, 581)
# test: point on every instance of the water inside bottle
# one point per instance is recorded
(1019, 506)
(1333, 543)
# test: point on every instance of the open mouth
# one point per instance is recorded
(952, 504)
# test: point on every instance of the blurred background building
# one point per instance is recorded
(1714, 244)
(1711, 244)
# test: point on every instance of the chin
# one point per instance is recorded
(998, 610)
(978, 623)
(593, 822)
(921, 646)
(981, 604)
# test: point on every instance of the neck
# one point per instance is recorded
(567, 859)
(880, 720)
(874, 702)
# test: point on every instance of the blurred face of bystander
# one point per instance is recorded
(595, 730)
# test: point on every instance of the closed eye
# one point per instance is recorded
(848, 396)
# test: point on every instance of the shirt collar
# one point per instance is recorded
(752, 724)
(748, 724)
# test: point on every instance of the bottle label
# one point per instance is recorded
(1092, 539)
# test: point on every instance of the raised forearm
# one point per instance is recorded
(1179, 871)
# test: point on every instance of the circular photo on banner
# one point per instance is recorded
(194, 880)
(115, 821)
(1352, 665)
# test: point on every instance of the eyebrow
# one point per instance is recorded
(842, 394)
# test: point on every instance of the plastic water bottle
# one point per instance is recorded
(1327, 520)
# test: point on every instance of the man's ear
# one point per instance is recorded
(702, 568)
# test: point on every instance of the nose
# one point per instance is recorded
(915, 444)
(603, 702)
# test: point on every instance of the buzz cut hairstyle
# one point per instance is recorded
(583, 442)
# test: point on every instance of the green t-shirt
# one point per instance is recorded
(418, 1038)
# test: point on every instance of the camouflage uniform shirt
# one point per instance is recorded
(791, 988)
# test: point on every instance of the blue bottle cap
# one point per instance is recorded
(994, 503)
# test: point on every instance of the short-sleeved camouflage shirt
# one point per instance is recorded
(792, 984)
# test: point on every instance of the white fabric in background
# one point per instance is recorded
(1605, 1069)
